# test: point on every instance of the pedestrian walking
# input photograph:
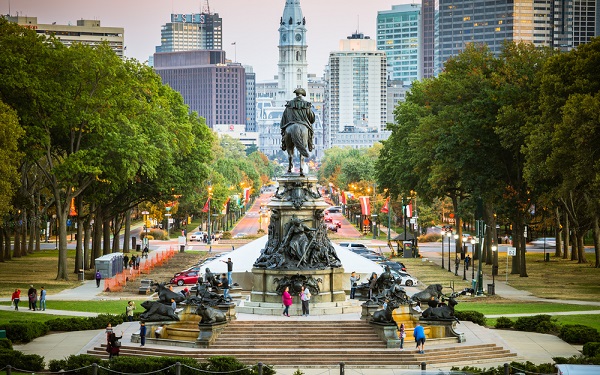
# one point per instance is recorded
(142, 333)
(229, 270)
(467, 262)
(125, 261)
(402, 335)
(32, 296)
(129, 310)
(43, 299)
(305, 298)
(15, 298)
(98, 278)
(456, 265)
(108, 331)
(114, 345)
(419, 334)
(353, 284)
(286, 298)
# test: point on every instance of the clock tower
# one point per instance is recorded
(292, 52)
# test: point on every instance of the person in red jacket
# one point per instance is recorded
(16, 297)
(287, 301)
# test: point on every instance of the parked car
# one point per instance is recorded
(196, 236)
(407, 279)
(240, 235)
(187, 277)
(353, 245)
(396, 266)
(363, 251)
(333, 209)
(375, 257)
(328, 219)
(332, 227)
(337, 223)
(544, 241)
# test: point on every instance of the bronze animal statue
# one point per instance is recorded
(385, 316)
(157, 312)
(296, 138)
(210, 315)
(433, 290)
(445, 312)
(165, 294)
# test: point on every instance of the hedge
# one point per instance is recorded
(5, 344)
(20, 361)
(473, 316)
(578, 334)
(537, 323)
(591, 349)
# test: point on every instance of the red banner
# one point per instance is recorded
(343, 197)
(365, 207)
(72, 210)
(206, 205)
(246, 195)
(409, 209)
(386, 207)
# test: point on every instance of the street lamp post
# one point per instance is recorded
(146, 213)
(464, 265)
(208, 220)
(456, 252)
(474, 242)
(443, 234)
(55, 231)
(374, 225)
(494, 248)
(449, 234)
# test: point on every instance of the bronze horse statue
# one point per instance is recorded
(296, 137)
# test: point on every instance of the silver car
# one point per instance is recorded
(407, 279)
(544, 242)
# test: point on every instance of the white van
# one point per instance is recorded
(578, 369)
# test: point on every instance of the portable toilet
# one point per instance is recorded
(109, 265)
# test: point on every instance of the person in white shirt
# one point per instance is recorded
(305, 297)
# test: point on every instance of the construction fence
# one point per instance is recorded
(158, 258)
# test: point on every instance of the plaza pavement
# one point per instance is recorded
(534, 347)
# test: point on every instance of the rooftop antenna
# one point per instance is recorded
(206, 7)
(358, 23)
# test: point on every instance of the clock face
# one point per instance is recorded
(284, 37)
(298, 37)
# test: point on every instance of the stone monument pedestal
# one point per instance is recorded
(265, 286)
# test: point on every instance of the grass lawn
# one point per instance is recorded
(586, 320)
(101, 307)
(509, 307)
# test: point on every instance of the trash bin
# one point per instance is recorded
(473, 284)
(2, 334)
(491, 289)
(138, 247)
(182, 248)
(547, 258)
(81, 276)
(133, 241)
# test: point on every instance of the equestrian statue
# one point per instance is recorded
(296, 128)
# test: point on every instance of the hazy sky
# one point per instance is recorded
(252, 25)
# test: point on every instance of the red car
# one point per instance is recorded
(337, 223)
(186, 277)
(328, 219)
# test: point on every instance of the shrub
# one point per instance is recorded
(5, 344)
(430, 237)
(578, 334)
(74, 362)
(536, 323)
(226, 235)
(158, 234)
(69, 324)
(18, 360)
(591, 349)
(23, 332)
(504, 323)
(472, 316)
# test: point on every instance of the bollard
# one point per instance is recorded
(177, 368)
(8, 370)
(506, 369)
(342, 368)
(423, 366)
(94, 369)
(260, 368)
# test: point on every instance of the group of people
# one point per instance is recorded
(133, 263)
(287, 300)
(32, 297)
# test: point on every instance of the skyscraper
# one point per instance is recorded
(430, 38)
(292, 67)
(85, 32)
(187, 32)
(209, 86)
(399, 33)
(356, 107)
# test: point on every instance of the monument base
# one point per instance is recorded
(265, 284)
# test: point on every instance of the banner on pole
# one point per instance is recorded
(365, 206)
(386, 207)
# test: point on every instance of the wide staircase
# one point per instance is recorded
(320, 343)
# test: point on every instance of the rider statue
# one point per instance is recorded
(298, 111)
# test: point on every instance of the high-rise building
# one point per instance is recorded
(292, 66)
(85, 32)
(356, 106)
(210, 86)
(430, 38)
(250, 99)
(399, 34)
(586, 21)
(188, 32)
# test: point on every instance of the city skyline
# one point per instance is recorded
(253, 28)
